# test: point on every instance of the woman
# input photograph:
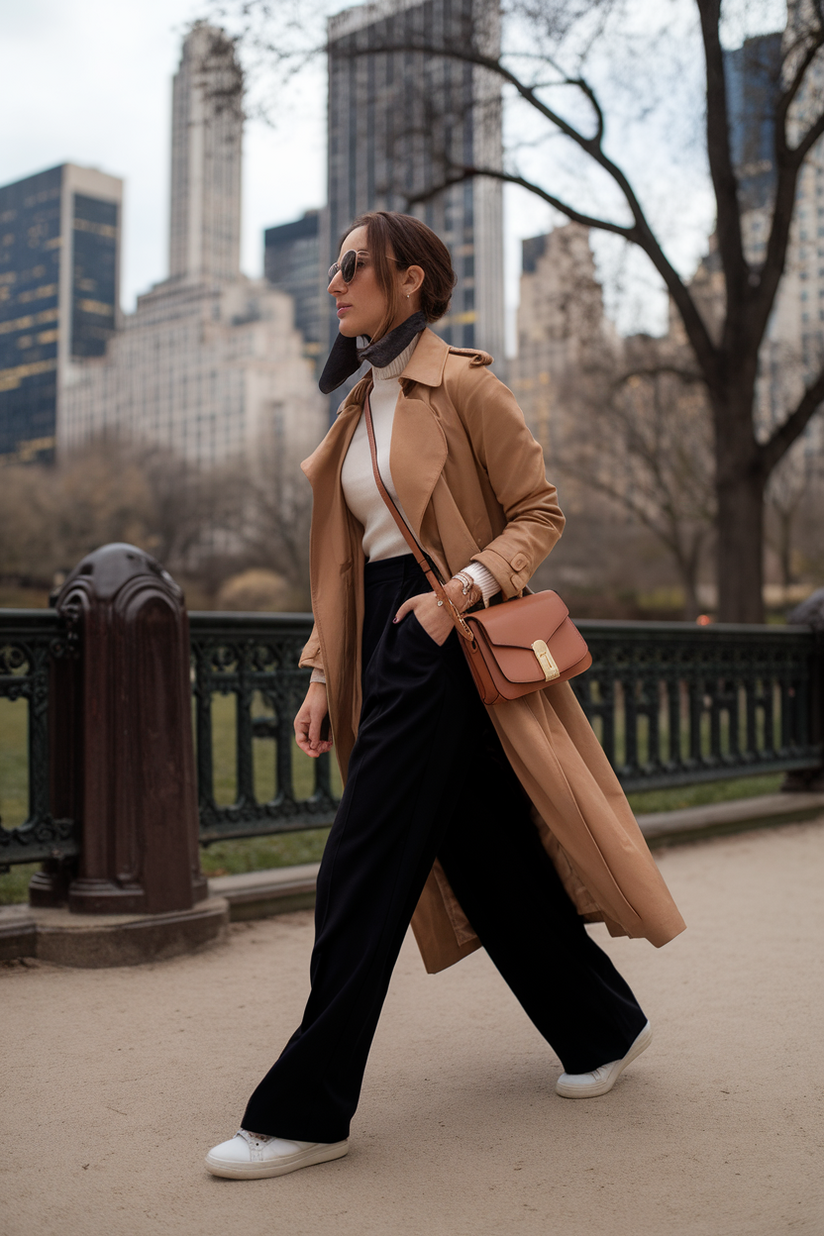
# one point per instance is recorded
(450, 810)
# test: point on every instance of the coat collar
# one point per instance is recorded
(416, 433)
(425, 365)
(427, 362)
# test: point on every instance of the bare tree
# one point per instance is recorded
(28, 543)
(190, 507)
(51, 517)
(639, 431)
(273, 517)
(559, 62)
(794, 479)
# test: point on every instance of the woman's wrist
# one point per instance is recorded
(463, 592)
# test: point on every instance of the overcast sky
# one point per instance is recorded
(89, 82)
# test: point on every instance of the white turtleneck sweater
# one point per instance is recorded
(381, 535)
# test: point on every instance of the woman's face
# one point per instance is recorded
(361, 304)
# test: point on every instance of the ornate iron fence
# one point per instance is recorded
(671, 704)
(252, 660)
(674, 704)
(30, 641)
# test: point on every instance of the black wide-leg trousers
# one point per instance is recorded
(428, 779)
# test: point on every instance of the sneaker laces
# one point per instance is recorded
(254, 1139)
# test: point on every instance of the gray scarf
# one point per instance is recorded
(346, 356)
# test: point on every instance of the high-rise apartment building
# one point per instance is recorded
(207, 147)
(291, 262)
(753, 80)
(59, 276)
(399, 120)
(564, 339)
(794, 346)
(210, 366)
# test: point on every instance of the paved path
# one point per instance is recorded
(115, 1082)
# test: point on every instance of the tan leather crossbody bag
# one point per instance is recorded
(514, 647)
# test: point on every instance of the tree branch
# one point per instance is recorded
(640, 233)
(771, 451)
(467, 173)
(784, 103)
(788, 161)
(725, 182)
(688, 376)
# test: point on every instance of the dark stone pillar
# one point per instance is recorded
(126, 738)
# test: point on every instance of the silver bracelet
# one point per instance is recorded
(467, 582)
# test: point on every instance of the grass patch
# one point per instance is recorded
(264, 757)
(704, 793)
(14, 769)
(261, 853)
(14, 885)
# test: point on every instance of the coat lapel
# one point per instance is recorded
(416, 436)
(323, 466)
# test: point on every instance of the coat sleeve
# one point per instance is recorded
(310, 657)
(514, 463)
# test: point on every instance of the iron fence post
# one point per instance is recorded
(124, 751)
(50, 885)
(812, 779)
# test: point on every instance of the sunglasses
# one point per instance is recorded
(349, 265)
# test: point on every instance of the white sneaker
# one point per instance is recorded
(250, 1156)
(602, 1079)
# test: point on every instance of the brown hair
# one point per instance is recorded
(411, 243)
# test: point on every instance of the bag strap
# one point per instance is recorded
(406, 532)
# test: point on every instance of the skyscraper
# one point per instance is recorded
(563, 335)
(291, 262)
(753, 80)
(209, 367)
(794, 342)
(398, 121)
(207, 141)
(59, 276)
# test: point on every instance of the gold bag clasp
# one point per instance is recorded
(545, 660)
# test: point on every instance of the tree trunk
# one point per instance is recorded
(741, 547)
(785, 519)
(689, 576)
(688, 560)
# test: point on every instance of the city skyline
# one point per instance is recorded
(127, 57)
(209, 367)
(59, 271)
(110, 67)
(387, 142)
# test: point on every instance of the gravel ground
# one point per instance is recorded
(116, 1082)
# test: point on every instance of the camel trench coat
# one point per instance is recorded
(471, 480)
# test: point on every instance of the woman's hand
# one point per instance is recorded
(435, 619)
(309, 723)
